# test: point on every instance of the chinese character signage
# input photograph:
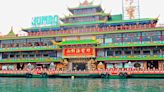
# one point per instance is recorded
(131, 9)
(78, 52)
(45, 21)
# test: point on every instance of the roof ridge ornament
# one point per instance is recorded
(11, 33)
(86, 3)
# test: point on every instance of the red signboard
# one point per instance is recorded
(78, 52)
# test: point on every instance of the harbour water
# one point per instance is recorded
(80, 85)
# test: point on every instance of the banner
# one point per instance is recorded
(78, 52)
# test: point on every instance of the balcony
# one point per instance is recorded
(131, 44)
(29, 48)
(132, 57)
(25, 60)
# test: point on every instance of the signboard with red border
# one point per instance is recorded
(78, 52)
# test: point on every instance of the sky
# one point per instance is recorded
(18, 13)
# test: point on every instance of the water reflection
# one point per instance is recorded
(80, 85)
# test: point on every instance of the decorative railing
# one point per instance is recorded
(48, 59)
(111, 71)
(84, 31)
(29, 48)
(129, 44)
(132, 57)
(106, 29)
(89, 41)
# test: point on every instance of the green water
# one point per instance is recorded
(80, 85)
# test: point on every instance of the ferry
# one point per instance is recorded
(88, 43)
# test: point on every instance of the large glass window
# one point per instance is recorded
(127, 52)
(4, 55)
(146, 52)
(131, 37)
(7, 43)
(118, 53)
(151, 36)
(100, 38)
(156, 52)
(113, 38)
(110, 53)
(162, 35)
(136, 52)
(162, 50)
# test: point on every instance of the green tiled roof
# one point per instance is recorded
(132, 20)
(72, 42)
(37, 28)
(83, 15)
(82, 23)
(83, 7)
(116, 17)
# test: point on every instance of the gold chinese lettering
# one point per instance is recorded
(88, 50)
(83, 50)
(77, 50)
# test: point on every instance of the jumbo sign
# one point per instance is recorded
(45, 21)
(78, 52)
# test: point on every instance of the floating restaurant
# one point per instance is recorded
(88, 43)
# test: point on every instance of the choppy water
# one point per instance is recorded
(80, 85)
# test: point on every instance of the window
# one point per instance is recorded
(11, 56)
(50, 43)
(137, 52)
(11, 67)
(117, 40)
(113, 38)
(17, 56)
(151, 36)
(131, 37)
(32, 55)
(162, 35)
(127, 39)
(156, 38)
(156, 52)
(45, 55)
(110, 53)
(145, 39)
(127, 52)
(163, 50)
(146, 52)
(118, 53)
(136, 39)
(25, 56)
(4, 56)
(38, 55)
